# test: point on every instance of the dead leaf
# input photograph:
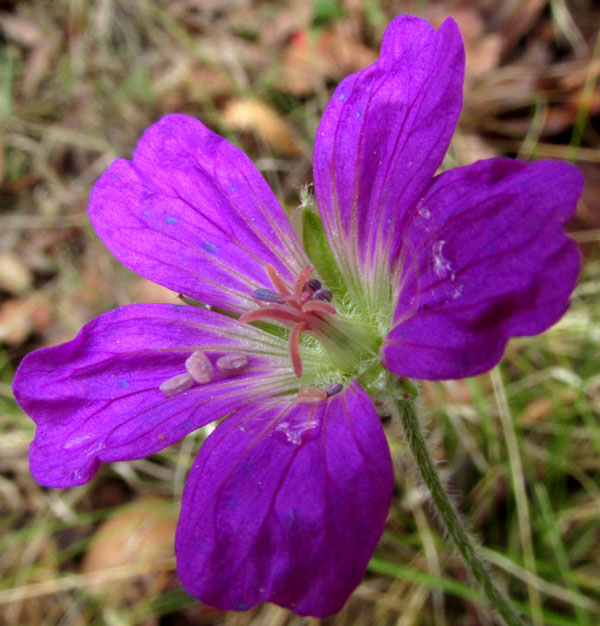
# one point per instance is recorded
(471, 147)
(19, 317)
(15, 277)
(537, 411)
(344, 53)
(482, 48)
(145, 290)
(291, 17)
(208, 82)
(255, 116)
(313, 58)
(301, 70)
(20, 30)
(139, 535)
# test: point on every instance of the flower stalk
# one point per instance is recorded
(447, 511)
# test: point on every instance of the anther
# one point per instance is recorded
(232, 363)
(199, 367)
(177, 384)
(334, 388)
(312, 285)
(267, 295)
(323, 294)
(311, 394)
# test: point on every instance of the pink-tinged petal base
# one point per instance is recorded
(98, 398)
(285, 504)
(485, 258)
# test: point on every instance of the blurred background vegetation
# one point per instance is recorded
(79, 82)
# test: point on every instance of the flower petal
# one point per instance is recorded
(97, 398)
(485, 258)
(382, 137)
(285, 504)
(192, 213)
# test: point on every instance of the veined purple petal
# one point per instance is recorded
(381, 139)
(192, 213)
(485, 258)
(97, 398)
(285, 504)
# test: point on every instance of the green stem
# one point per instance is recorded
(450, 516)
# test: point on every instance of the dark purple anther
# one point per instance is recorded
(267, 295)
(323, 294)
(334, 388)
(312, 285)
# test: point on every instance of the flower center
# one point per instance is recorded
(305, 307)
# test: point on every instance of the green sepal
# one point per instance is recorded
(318, 250)
(191, 302)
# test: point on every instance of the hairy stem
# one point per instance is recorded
(450, 516)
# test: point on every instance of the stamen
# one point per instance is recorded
(334, 388)
(276, 279)
(177, 384)
(311, 394)
(233, 363)
(301, 280)
(199, 367)
(280, 314)
(295, 348)
(323, 294)
(268, 295)
(319, 307)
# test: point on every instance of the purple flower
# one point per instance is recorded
(426, 277)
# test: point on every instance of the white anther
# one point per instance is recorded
(232, 363)
(177, 384)
(311, 394)
(199, 367)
